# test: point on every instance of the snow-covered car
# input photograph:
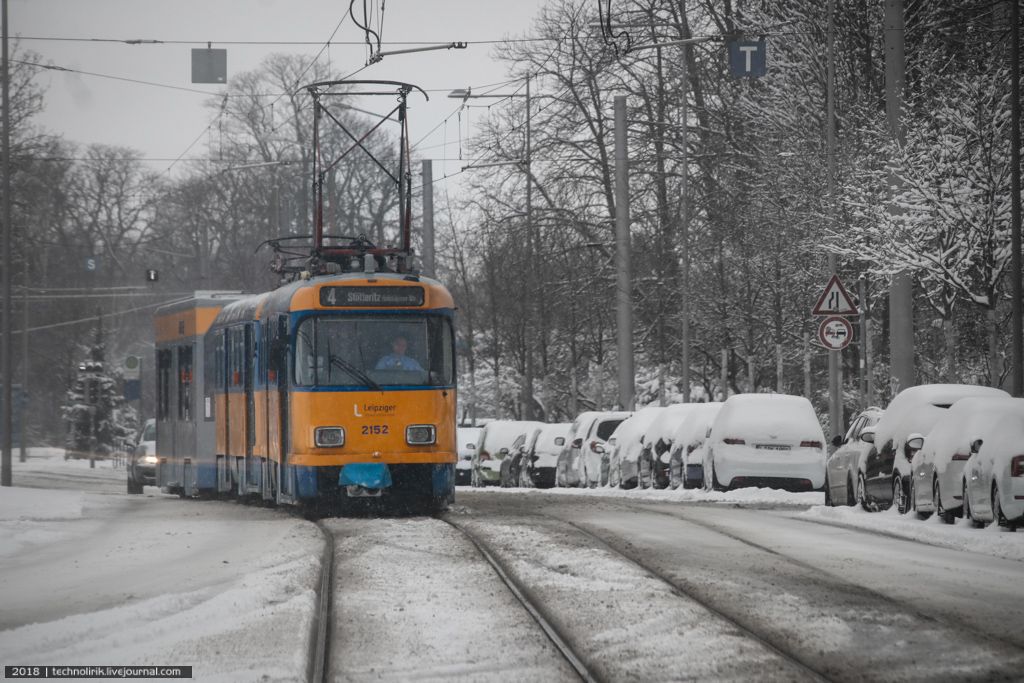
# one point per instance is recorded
(843, 469)
(655, 455)
(511, 464)
(772, 440)
(686, 464)
(466, 439)
(541, 457)
(624, 459)
(993, 484)
(142, 459)
(583, 460)
(914, 411)
(938, 468)
(494, 445)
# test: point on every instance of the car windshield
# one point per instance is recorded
(149, 432)
(347, 351)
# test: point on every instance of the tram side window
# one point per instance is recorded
(163, 384)
(236, 356)
(185, 383)
(442, 355)
(213, 371)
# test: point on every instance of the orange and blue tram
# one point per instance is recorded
(327, 388)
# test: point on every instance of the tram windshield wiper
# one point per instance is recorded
(352, 370)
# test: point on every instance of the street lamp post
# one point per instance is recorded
(465, 94)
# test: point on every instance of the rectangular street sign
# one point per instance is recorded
(748, 58)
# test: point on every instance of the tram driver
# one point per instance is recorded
(397, 360)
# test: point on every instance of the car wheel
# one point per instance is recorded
(525, 480)
(862, 494)
(715, 484)
(997, 510)
(900, 499)
(133, 487)
(644, 475)
(968, 514)
(942, 513)
(851, 498)
(913, 501)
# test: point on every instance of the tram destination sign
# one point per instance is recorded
(371, 297)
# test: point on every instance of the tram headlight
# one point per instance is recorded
(420, 435)
(329, 437)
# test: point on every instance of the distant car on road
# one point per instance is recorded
(142, 460)
(844, 467)
(772, 440)
(466, 439)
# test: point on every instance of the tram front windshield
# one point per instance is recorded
(366, 351)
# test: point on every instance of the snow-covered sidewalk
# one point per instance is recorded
(746, 496)
(90, 577)
(992, 540)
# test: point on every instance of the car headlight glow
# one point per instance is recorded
(329, 437)
(420, 435)
(149, 459)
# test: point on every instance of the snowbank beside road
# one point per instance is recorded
(747, 496)
(37, 504)
(992, 540)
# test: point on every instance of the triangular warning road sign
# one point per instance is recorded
(835, 300)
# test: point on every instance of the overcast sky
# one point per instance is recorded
(161, 122)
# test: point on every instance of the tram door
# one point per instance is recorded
(250, 404)
(277, 393)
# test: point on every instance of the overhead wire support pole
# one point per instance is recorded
(6, 423)
(835, 380)
(1017, 306)
(623, 288)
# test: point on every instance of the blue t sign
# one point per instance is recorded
(747, 58)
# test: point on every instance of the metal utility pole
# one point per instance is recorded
(623, 288)
(428, 218)
(684, 230)
(1017, 313)
(530, 258)
(901, 287)
(835, 387)
(6, 423)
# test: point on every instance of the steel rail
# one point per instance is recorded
(318, 667)
(520, 593)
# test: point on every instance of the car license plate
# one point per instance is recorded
(773, 447)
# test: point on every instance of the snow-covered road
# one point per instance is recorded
(640, 585)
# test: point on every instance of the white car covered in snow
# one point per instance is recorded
(686, 459)
(624, 459)
(772, 440)
(495, 445)
(657, 450)
(912, 413)
(466, 439)
(541, 456)
(583, 460)
(993, 486)
(938, 468)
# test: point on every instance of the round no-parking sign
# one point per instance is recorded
(835, 333)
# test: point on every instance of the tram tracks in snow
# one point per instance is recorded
(318, 665)
(524, 595)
